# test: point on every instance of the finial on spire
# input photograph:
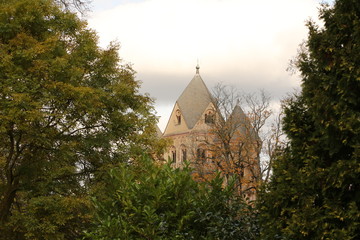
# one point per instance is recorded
(197, 67)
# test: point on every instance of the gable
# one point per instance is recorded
(207, 118)
(177, 123)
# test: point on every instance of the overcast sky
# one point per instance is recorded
(247, 44)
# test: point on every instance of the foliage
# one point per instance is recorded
(51, 217)
(68, 111)
(150, 201)
(314, 193)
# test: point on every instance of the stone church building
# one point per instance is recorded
(192, 130)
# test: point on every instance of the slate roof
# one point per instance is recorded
(194, 100)
(242, 122)
(238, 119)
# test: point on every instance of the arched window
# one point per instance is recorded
(183, 153)
(173, 154)
(209, 117)
(201, 154)
(178, 117)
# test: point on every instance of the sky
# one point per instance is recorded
(240, 43)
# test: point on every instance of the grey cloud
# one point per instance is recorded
(166, 88)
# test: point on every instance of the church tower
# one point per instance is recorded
(189, 120)
(195, 134)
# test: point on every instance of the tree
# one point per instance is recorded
(243, 144)
(150, 201)
(68, 111)
(314, 192)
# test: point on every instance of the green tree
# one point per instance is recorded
(315, 188)
(68, 111)
(150, 201)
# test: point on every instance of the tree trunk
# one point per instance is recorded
(7, 201)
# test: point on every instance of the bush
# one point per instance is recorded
(150, 201)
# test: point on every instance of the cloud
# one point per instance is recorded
(239, 42)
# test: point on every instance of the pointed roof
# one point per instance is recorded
(238, 113)
(239, 120)
(194, 100)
